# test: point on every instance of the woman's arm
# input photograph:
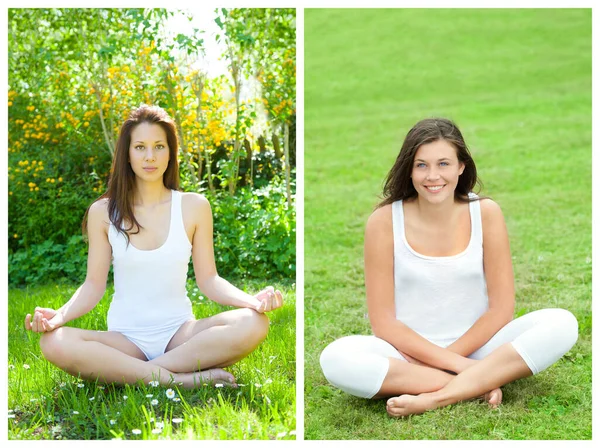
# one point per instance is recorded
(499, 277)
(91, 292)
(214, 287)
(379, 281)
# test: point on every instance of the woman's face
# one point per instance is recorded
(149, 151)
(435, 171)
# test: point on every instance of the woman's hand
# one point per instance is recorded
(44, 320)
(269, 300)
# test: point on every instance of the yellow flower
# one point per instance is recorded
(86, 124)
(9, 103)
(37, 188)
(51, 181)
(16, 235)
(60, 179)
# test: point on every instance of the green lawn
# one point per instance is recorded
(518, 83)
(46, 403)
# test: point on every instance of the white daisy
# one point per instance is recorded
(176, 399)
(136, 431)
(10, 367)
(281, 434)
(125, 397)
(80, 385)
(149, 396)
(156, 431)
(112, 422)
(177, 420)
(26, 366)
(154, 402)
(170, 394)
(154, 383)
(219, 385)
(92, 399)
(75, 413)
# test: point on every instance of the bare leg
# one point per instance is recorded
(216, 341)
(501, 367)
(111, 358)
(407, 378)
(107, 356)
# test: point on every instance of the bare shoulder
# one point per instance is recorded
(380, 221)
(490, 212)
(98, 212)
(195, 203)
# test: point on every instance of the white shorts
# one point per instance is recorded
(152, 341)
(358, 365)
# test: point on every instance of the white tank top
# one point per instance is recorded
(439, 297)
(150, 284)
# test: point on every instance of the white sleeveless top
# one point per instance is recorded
(439, 297)
(150, 284)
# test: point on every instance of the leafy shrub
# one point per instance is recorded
(49, 262)
(255, 233)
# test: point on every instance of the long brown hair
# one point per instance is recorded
(398, 184)
(122, 178)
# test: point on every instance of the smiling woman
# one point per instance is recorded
(440, 290)
(148, 229)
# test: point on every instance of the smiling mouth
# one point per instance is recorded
(435, 188)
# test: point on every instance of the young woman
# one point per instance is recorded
(149, 230)
(440, 290)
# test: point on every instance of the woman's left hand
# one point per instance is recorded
(269, 300)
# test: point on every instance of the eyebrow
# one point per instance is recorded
(439, 160)
(139, 141)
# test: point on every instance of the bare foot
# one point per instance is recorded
(213, 377)
(410, 404)
(494, 398)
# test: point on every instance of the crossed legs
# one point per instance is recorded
(369, 367)
(205, 344)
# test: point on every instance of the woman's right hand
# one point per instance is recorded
(44, 320)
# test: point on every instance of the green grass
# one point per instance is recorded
(49, 404)
(518, 83)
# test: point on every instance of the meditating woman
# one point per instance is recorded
(149, 230)
(440, 290)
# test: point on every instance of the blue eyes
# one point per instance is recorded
(142, 147)
(422, 165)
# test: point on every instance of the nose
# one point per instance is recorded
(149, 155)
(433, 174)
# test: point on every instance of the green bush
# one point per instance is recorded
(255, 233)
(49, 262)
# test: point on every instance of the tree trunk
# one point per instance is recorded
(286, 148)
(276, 147)
(248, 148)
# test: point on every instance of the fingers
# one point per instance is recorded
(279, 299)
(37, 324)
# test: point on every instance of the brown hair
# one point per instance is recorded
(398, 184)
(122, 178)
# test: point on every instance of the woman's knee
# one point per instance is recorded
(569, 326)
(254, 326)
(53, 345)
(355, 372)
